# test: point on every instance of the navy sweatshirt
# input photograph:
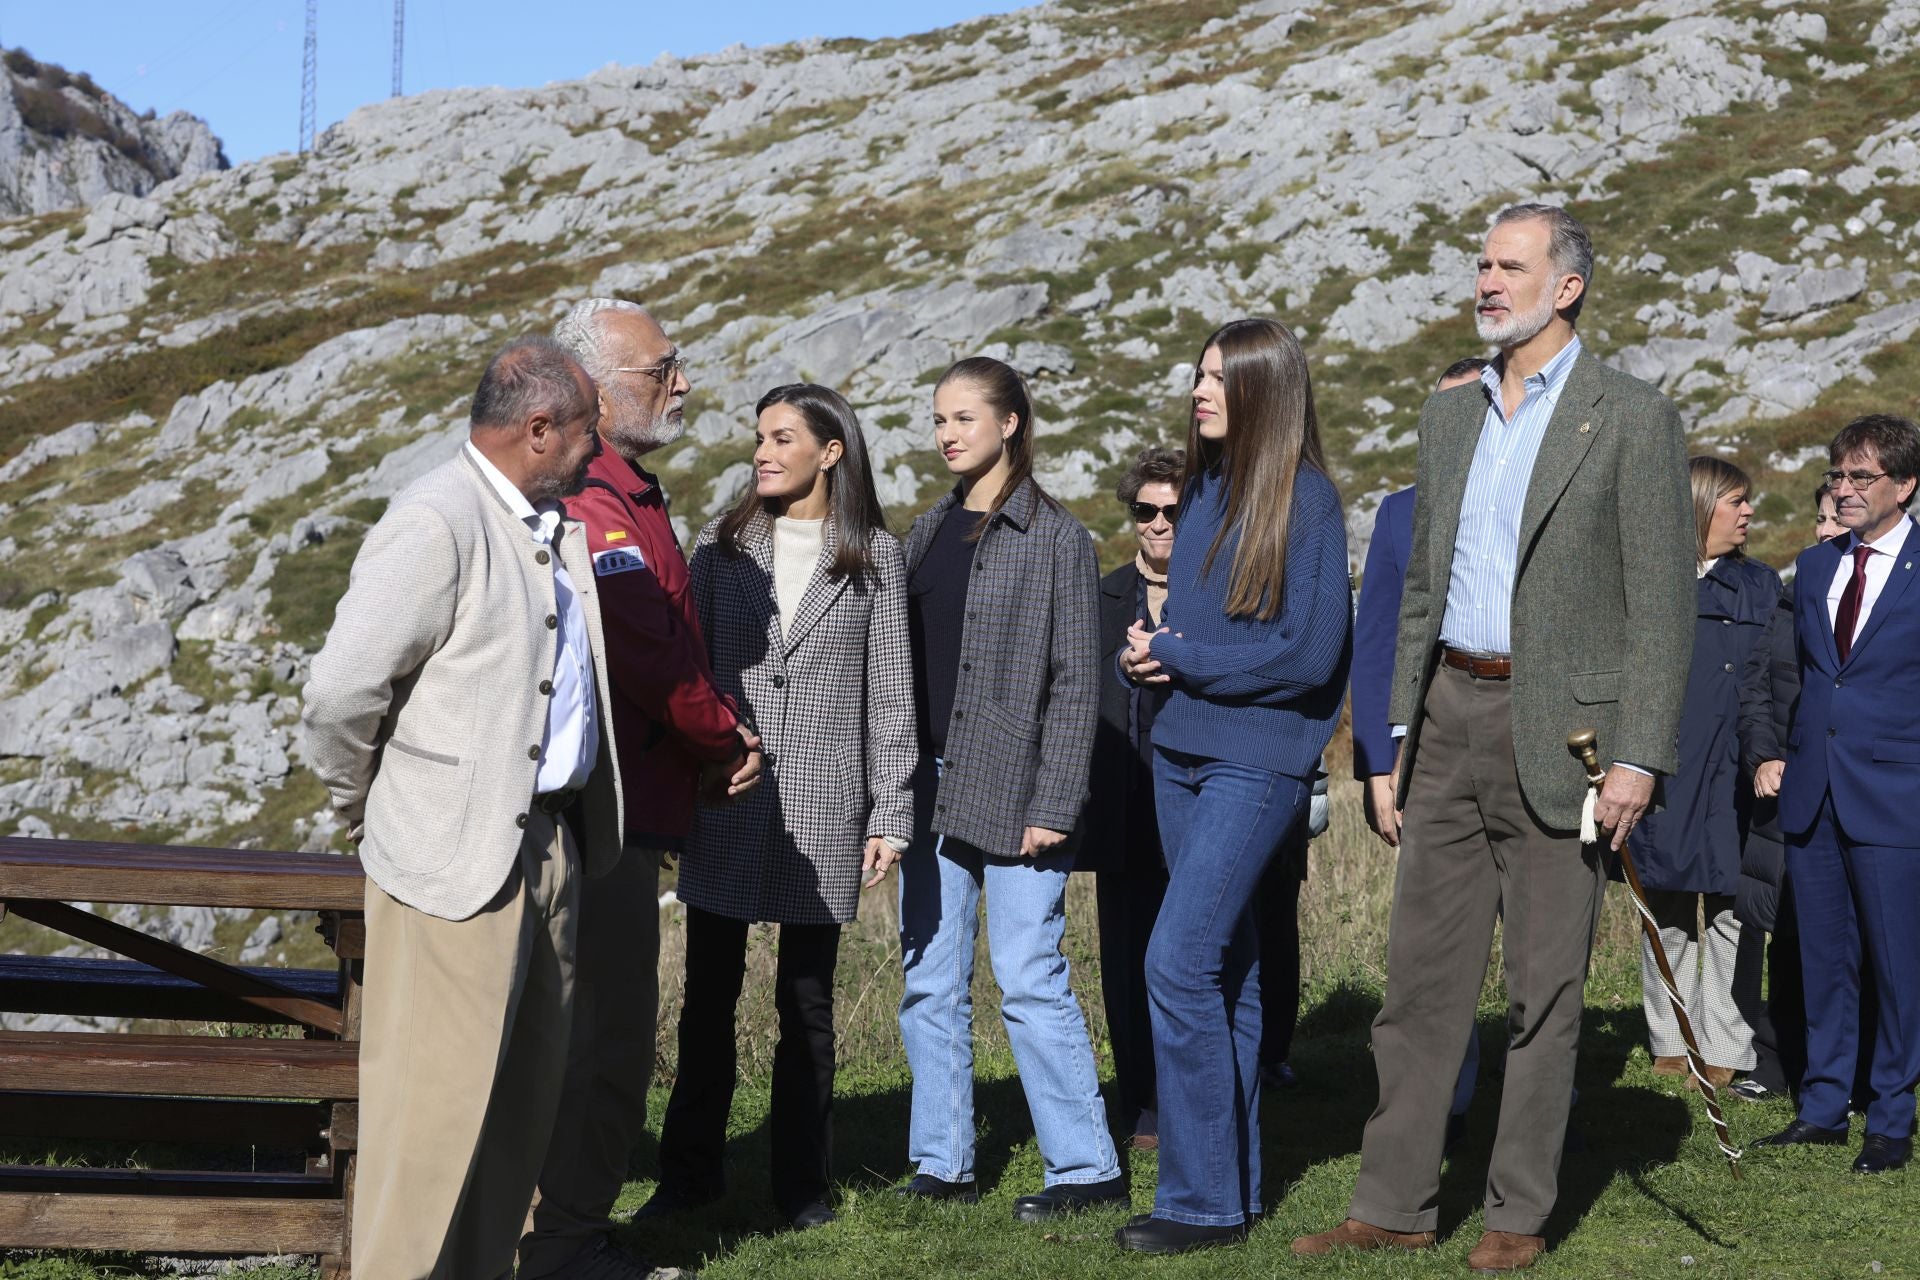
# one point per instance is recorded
(1266, 694)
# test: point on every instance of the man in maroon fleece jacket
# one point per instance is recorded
(678, 735)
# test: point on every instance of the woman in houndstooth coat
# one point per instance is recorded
(800, 590)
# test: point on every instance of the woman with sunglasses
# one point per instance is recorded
(1122, 845)
(1253, 648)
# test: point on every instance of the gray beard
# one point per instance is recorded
(1516, 328)
(632, 439)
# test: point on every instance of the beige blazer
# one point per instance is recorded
(425, 709)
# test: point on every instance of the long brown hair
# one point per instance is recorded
(852, 501)
(1005, 392)
(1271, 433)
(1713, 479)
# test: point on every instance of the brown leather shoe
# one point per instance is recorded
(1670, 1066)
(1503, 1251)
(1355, 1234)
(1720, 1077)
(1144, 1142)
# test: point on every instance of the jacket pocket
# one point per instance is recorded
(1011, 723)
(394, 744)
(1595, 686)
(417, 808)
(1896, 751)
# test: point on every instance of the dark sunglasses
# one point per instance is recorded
(1147, 513)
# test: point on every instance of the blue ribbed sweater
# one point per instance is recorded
(1265, 694)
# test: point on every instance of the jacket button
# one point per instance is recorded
(979, 566)
(533, 752)
(1729, 666)
(1831, 732)
(1838, 683)
(779, 682)
(546, 687)
(959, 715)
(553, 622)
(766, 759)
(1726, 622)
(970, 615)
(942, 808)
(541, 557)
(966, 666)
(520, 820)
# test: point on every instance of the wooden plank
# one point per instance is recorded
(343, 1133)
(192, 1066)
(346, 934)
(172, 1224)
(130, 989)
(130, 1117)
(178, 875)
(21, 1178)
(205, 970)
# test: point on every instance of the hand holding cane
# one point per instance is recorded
(1582, 745)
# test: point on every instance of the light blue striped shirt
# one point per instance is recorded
(1486, 550)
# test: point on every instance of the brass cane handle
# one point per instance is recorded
(1581, 743)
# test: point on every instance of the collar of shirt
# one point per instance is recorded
(542, 521)
(1551, 379)
(1887, 544)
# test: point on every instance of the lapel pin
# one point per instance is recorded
(1584, 427)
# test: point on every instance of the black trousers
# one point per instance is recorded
(1128, 902)
(694, 1135)
(1277, 911)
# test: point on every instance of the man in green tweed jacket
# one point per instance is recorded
(1550, 588)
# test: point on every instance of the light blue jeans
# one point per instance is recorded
(941, 883)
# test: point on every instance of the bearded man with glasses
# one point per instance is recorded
(1853, 763)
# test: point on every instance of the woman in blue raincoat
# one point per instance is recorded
(1688, 853)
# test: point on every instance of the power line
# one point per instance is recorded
(399, 42)
(309, 77)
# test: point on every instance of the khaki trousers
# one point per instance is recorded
(603, 1105)
(1469, 845)
(463, 1044)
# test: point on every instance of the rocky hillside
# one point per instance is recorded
(66, 142)
(208, 391)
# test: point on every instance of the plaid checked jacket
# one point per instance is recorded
(831, 694)
(1026, 697)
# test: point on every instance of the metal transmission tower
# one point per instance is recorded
(309, 76)
(399, 41)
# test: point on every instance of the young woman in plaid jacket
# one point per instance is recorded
(800, 590)
(1003, 604)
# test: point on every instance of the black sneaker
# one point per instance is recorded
(1751, 1090)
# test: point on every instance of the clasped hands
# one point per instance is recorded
(1137, 662)
(723, 782)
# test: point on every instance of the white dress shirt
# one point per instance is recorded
(571, 742)
(1885, 549)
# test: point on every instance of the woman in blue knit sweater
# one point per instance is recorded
(1254, 645)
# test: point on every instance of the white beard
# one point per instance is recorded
(1515, 328)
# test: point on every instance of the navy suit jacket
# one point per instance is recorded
(1376, 629)
(1857, 730)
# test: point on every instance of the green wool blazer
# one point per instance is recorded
(1603, 596)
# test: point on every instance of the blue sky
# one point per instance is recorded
(236, 63)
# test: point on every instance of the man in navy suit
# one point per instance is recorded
(1853, 764)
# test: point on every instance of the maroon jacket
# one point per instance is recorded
(667, 714)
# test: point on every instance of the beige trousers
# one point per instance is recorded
(1470, 848)
(603, 1105)
(463, 1045)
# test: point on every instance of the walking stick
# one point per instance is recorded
(1582, 746)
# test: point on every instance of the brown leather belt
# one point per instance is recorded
(1477, 666)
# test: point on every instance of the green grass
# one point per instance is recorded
(1648, 1190)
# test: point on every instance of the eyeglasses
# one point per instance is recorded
(1147, 513)
(665, 371)
(1861, 481)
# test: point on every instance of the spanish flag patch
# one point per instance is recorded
(616, 535)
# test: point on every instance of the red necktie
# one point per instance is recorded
(1849, 616)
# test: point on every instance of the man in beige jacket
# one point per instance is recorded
(456, 715)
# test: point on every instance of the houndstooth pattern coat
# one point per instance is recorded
(1027, 699)
(831, 695)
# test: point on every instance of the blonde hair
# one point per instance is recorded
(1713, 479)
